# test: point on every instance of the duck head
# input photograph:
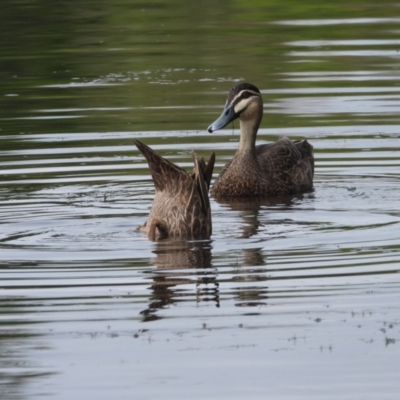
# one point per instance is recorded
(244, 101)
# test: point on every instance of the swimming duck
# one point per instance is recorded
(181, 206)
(274, 169)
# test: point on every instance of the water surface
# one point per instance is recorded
(291, 298)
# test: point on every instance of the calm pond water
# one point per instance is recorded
(294, 298)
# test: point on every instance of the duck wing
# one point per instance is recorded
(207, 169)
(307, 154)
(290, 165)
(167, 176)
(280, 156)
(201, 175)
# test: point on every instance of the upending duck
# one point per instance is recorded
(181, 206)
(275, 169)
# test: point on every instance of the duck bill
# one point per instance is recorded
(228, 115)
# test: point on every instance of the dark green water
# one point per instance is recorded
(293, 299)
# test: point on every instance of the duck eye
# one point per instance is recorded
(246, 95)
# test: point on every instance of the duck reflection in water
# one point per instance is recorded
(253, 269)
(249, 210)
(181, 206)
(181, 263)
(252, 262)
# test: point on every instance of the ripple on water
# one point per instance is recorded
(292, 295)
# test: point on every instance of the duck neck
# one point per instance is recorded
(250, 120)
(248, 134)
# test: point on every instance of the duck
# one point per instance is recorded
(181, 206)
(284, 167)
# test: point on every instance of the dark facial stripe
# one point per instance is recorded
(239, 88)
(244, 94)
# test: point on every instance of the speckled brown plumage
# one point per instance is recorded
(181, 206)
(275, 169)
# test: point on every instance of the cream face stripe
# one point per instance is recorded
(242, 101)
